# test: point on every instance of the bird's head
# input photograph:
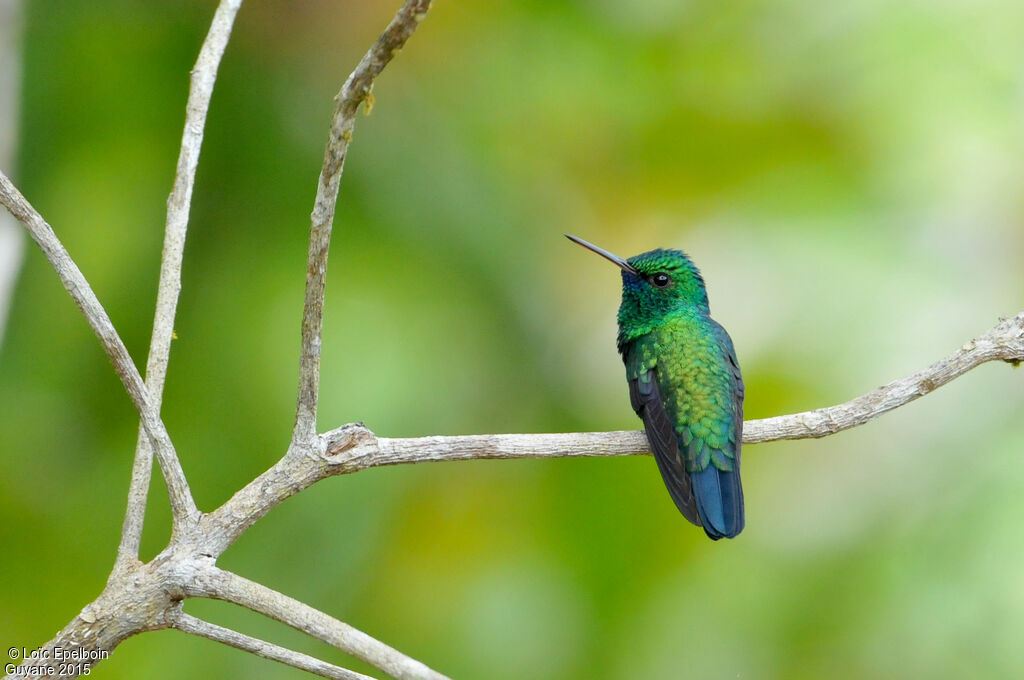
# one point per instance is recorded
(655, 285)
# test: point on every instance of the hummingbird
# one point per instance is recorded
(684, 383)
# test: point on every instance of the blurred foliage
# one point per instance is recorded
(848, 176)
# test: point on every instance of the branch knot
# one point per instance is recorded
(346, 438)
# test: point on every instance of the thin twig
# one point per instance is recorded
(224, 585)
(203, 77)
(354, 92)
(182, 504)
(190, 624)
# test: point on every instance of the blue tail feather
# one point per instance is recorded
(719, 501)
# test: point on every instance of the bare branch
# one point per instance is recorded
(1003, 342)
(190, 624)
(182, 504)
(203, 77)
(355, 91)
(224, 585)
(352, 447)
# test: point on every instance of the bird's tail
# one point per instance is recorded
(719, 497)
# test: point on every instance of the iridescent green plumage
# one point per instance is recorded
(685, 384)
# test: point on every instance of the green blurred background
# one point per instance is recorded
(848, 176)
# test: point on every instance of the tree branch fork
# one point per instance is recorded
(147, 596)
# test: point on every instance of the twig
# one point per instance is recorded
(182, 505)
(224, 585)
(203, 77)
(354, 92)
(1002, 342)
(190, 624)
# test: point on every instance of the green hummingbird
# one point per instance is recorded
(684, 383)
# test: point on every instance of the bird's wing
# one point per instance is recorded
(646, 399)
(733, 366)
(719, 492)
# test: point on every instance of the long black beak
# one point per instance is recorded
(604, 253)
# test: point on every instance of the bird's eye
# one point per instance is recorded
(661, 280)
